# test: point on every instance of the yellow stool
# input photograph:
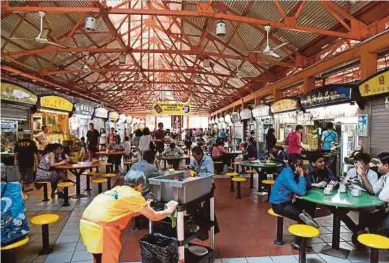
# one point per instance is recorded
(238, 180)
(100, 182)
(232, 175)
(9, 249)
(251, 173)
(45, 191)
(305, 232)
(44, 221)
(280, 227)
(129, 163)
(89, 174)
(109, 176)
(268, 184)
(375, 242)
(65, 186)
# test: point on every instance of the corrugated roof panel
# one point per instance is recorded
(315, 15)
(295, 38)
(251, 36)
(248, 70)
(235, 82)
(237, 6)
(60, 24)
(265, 10)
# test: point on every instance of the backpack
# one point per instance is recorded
(14, 224)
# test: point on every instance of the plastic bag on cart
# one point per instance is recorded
(157, 248)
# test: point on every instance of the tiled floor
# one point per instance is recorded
(246, 233)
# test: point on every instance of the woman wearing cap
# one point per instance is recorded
(109, 213)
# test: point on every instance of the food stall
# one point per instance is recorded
(228, 122)
(247, 122)
(99, 118)
(129, 125)
(237, 129)
(16, 103)
(263, 121)
(79, 122)
(121, 126)
(53, 112)
(113, 118)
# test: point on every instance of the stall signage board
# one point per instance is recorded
(129, 119)
(84, 109)
(227, 118)
(284, 105)
(16, 93)
(375, 85)
(122, 118)
(235, 117)
(113, 115)
(261, 111)
(363, 124)
(169, 108)
(57, 103)
(101, 113)
(221, 119)
(326, 96)
(245, 114)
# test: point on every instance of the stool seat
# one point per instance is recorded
(89, 173)
(237, 163)
(232, 174)
(130, 162)
(268, 182)
(374, 241)
(66, 184)
(217, 162)
(99, 180)
(109, 175)
(43, 182)
(250, 171)
(239, 179)
(45, 219)
(17, 244)
(272, 213)
(305, 231)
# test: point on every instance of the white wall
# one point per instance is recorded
(198, 122)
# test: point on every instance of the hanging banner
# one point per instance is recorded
(56, 103)
(16, 93)
(326, 95)
(261, 111)
(169, 108)
(284, 105)
(363, 124)
(245, 114)
(113, 116)
(227, 118)
(101, 113)
(83, 109)
(376, 84)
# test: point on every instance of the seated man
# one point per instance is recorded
(201, 163)
(318, 174)
(277, 154)
(173, 151)
(290, 182)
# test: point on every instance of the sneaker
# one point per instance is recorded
(307, 219)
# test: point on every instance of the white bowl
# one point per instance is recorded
(198, 251)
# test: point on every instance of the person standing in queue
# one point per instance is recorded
(25, 157)
(145, 141)
(294, 144)
(92, 137)
(159, 138)
(109, 213)
(42, 138)
(103, 140)
(271, 139)
(329, 137)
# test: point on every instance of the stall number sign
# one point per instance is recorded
(377, 84)
(84, 109)
(168, 108)
(15, 93)
(283, 105)
(57, 103)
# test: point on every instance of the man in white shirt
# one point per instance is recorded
(42, 138)
(362, 174)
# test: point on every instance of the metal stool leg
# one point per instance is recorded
(66, 197)
(45, 194)
(238, 196)
(45, 240)
(251, 180)
(374, 255)
(109, 183)
(100, 188)
(88, 183)
(232, 185)
(302, 253)
(280, 228)
(268, 192)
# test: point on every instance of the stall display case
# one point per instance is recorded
(58, 125)
(9, 135)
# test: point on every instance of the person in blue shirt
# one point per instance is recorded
(223, 135)
(291, 182)
(329, 137)
(201, 163)
(318, 174)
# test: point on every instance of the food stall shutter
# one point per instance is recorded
(9, 111)
(379, 127)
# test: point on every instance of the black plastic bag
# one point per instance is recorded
(157, 248)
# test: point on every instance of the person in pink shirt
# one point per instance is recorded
(219, 154)
(294, 143)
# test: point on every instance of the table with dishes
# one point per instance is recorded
(265, 166)
(173, 157)
(339, 198)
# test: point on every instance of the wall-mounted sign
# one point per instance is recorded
(113, 116)
(261, 111)
(101, 113)
(235, 118)
(129, 119)
(16, 93)
(363, 125)
(227, 118)
(84, 109)
(284, 105)
(245, 114)
(169, 108)
(327, 95)
(221, 119)
(56, 103)
(376, 84)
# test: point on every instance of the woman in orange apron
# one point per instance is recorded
(109, 213)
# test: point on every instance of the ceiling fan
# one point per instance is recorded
(269, 51)
(42, 36)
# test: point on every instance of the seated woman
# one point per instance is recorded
(219, 154)
(291, 182)
(46, 169)
(109, 213)
(173, 151)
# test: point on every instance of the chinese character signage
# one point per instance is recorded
(327, 95)
(16, 93)
(375, 85)
(101, 113)
(56, 103)
(169, 108)
(284, 105)
(84, 109)
(261, 111)
(363, 124)
(245, 114)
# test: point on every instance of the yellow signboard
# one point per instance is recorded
(284, 105)
(113, 115)
(16, 93)
(57, 103)
(171, 108)
(377, 84)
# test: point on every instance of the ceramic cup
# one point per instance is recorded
(342, 188)
(327, 190)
